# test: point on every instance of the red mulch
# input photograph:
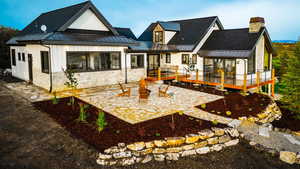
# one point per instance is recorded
(238, 105)
(288, 119)
(117, 130)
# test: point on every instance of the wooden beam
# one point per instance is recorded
(245, 83)
(197, 74)
(222, 79)
(273, 82)
(257, 82)
(159, 75)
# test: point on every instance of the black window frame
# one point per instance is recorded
(102, 55)
(168, 57)
(185, 58)
(23, 57)
(194, 61)
(158, 36)
(13, 57)
(19, 56)
(45, 67)
(139, 66)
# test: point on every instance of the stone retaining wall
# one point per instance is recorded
(271, 113)
(171, 148)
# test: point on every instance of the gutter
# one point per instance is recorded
(125, 67)
(50, 67)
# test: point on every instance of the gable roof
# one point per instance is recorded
(233, 43)
(191, 30)
(126, 32)
(61, 19)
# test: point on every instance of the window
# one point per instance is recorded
(168, 58)
(266, 60)
(194, 59)
(45, 61)
(251, 63)
(93, 61)
(19, 56)
(137, 61)
(185, 58)
(13, 57)
(23, 57)
(158, 36)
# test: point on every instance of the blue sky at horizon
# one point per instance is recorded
(282, 17)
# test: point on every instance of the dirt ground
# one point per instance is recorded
(31, 139)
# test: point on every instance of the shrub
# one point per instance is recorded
(215, 122)
(203, 106)
(180, 112)
(55, 100)
(157, 134)
(228, 113)
(101, 123)
(82, 114)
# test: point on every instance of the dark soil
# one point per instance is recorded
(202, 88)
(117, 130)
(288, 120)
(238, 105)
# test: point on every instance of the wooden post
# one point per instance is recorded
(159, 75)
(222, 79)
(257, 82)
(197, 75)
(176, 74)
(245, 83)
(273, 82)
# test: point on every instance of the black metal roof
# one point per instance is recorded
(126, 32)
(191, 30)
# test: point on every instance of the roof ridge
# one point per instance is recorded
(55, 10)
(192, 19)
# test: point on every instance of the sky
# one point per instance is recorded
(282, 17)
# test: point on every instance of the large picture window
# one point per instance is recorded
(251, 63)
(137, 61)
(158, 36)
(93, 61)
(194, 59)
(13, 57)
(267, 64)
(185, 58)
(45, 61)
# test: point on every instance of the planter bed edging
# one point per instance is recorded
(171, 148)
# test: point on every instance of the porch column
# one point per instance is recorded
(245, 83)
(257, 81)
(273, 82)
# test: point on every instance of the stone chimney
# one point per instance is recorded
(255, 24)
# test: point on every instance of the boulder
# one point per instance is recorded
(149, 144)
(204, 134)
(173, 150)
(136, 146)
(146, 151)
(124, 154)
(232, 143)
(203, 150)
(172, 156)
(224, 139)
(175, 141)
(102, 162)
(147, 159)
(158, 151)
(188, 153)
(112, 150)
(214, 140)
(104, 156)
(159, 157)
(232, 132)
(160, 143)
(127, 161)
(288, 157)
(121, 145)
(188, 147)
(218, 131)
(138, 159)
(200, 144)
(191, 138)
(216, 147)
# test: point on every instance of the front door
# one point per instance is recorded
(153, 63)
(30, 68)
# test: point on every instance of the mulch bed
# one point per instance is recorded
(288, 119)
(238, 105)
(205, 89)
(117, 130)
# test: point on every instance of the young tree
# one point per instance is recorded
(291, 81)
(72, 83)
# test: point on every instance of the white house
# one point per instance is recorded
(78, 37)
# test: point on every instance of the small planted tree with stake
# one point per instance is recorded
(82, 114)
(72, 84)
(101, 123)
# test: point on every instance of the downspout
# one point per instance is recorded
(50, 67)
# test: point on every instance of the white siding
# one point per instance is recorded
(21, 69)
(260, 49)
(88, 21)
(168, 36)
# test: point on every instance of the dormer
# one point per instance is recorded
(163, 32)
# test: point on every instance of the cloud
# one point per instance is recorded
(281, 17)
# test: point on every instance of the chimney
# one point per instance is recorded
(255, 24)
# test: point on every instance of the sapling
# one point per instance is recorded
(72, 83)
(82, 114)
(101, 123)
(55, 100)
